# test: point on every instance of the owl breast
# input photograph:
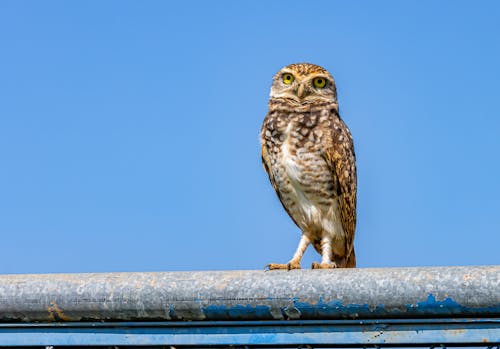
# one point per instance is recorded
(303, 179)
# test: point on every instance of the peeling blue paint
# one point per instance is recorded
(448, 307)
(336, 309)
(238, 312)
(294, 309)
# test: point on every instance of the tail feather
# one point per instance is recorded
(351, 260)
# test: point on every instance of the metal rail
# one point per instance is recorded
(331, 333)
(345, 307)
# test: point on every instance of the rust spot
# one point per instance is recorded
(485, 340)
(56, 313)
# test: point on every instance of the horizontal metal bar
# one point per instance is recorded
(253, 295)
(488, 322)
(495, 322)
(272, 333)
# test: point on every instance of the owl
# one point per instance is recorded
(308, 153)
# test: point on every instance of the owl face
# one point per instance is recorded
(304, 83)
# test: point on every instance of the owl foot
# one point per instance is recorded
(288, 266)
(317, 265)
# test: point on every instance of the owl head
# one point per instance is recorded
(304, 83)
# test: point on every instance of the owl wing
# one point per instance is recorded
(340, 157)
(267, 166)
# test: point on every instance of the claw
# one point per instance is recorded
(293, 265)
(317, 265)
(288, 266)
(277, 266)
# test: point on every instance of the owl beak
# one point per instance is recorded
(300, 91)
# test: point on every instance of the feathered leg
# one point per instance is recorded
(326, 254)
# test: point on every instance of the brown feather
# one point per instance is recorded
(341, 158)
(267, 166)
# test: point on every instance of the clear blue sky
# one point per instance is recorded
(129, 131)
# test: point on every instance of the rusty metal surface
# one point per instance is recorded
(253, 295)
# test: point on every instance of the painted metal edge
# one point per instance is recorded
(469, 332)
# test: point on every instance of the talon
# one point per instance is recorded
(288, 266)
(277, 266)
(317, 265)
(293, 265)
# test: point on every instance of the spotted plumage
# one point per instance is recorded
(308, 153)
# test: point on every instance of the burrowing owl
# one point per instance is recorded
(308, 153)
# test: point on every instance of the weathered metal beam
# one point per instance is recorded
(253, 295)
(292, 333)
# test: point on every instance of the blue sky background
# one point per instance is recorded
(129, 131)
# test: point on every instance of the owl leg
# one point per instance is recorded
(297, 257)
(326, 255)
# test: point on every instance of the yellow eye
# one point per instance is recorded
(287, 78)
(319, 82)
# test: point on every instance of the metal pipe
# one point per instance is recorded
(253, 295)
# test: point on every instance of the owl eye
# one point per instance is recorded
(319, 82)
(287, 78)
